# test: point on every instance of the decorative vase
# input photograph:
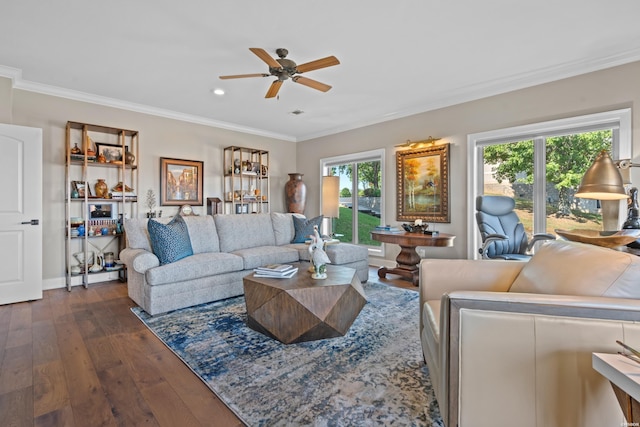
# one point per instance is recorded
(295, 193)
(129, 157)
(102, 158)
(102, 190)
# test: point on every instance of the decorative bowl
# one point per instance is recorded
(607, 239)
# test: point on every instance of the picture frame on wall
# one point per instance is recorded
(423, 184)
(180, 182)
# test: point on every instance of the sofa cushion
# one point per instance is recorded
(283, 227)
(244, 231)
(203, 234)
(137, 234)
(170, 242)
(304, 228)
(194, 267)
(568, 268)
(263, 255)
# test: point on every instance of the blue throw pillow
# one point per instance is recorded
(304, 228)
(170, 242)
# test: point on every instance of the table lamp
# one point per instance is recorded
(602, 181)
(331, 200)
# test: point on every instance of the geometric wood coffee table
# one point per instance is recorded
(301, 308)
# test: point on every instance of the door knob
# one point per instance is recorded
(32, 222)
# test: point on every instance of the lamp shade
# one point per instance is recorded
(602, 180)
(330, 196)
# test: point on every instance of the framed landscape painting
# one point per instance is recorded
(180, 182)
(423, 184)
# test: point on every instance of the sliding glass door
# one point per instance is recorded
(361, 189)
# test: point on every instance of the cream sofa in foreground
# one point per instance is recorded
(509, 343)
(225, 249)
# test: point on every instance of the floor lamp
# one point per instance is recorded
(330, 200)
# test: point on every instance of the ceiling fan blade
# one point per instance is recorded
(329, 61)
(273, 89)
(262, 54)
(311, 83)
(242, 76)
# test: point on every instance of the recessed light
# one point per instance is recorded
(218, 92)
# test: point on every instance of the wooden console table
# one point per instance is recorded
(624, 376)
(408, 259)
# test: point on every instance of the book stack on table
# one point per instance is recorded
(276, 271)
(389, 228)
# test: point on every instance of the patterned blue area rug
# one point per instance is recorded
(374, 375)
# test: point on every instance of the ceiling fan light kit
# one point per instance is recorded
(283, 69)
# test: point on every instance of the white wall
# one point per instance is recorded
(594, 92)
(590, 93)
(159, 137)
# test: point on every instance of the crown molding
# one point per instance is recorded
(496, 87)
(461, 95)
(15, 75)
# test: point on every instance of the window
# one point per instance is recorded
(361, 195)
(541, 166)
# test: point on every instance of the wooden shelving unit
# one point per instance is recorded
(101, 217)
(246, 180)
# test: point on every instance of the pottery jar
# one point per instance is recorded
(102, 190)
(295, 193)
(129, 157)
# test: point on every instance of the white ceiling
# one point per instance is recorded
(397, 57)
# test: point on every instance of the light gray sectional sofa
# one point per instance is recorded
(225, 249)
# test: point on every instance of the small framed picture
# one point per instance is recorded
(242, 208)
(111, 152)
(102, 210)
(81, 187)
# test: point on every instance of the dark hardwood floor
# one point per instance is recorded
(81, 358)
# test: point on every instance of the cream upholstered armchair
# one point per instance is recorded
(509, 343)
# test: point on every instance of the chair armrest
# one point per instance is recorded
(556, 305)
(489, 240)
(538, 237)
(139, 260)
(440, 276)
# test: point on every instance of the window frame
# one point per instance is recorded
(618, 120)
(363, 156)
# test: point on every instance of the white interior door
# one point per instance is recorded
(20, 214)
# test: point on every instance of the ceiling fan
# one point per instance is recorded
(284, 68)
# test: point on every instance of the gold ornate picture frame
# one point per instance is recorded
(423, 184)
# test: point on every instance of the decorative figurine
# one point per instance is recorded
(318, 256)
(633, 216)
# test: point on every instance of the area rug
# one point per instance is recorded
(374, 375)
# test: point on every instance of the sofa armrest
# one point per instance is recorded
(441, 276)
(537, 351)
(139, 260)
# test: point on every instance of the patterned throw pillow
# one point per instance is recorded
(304, 228)
(170, 242)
